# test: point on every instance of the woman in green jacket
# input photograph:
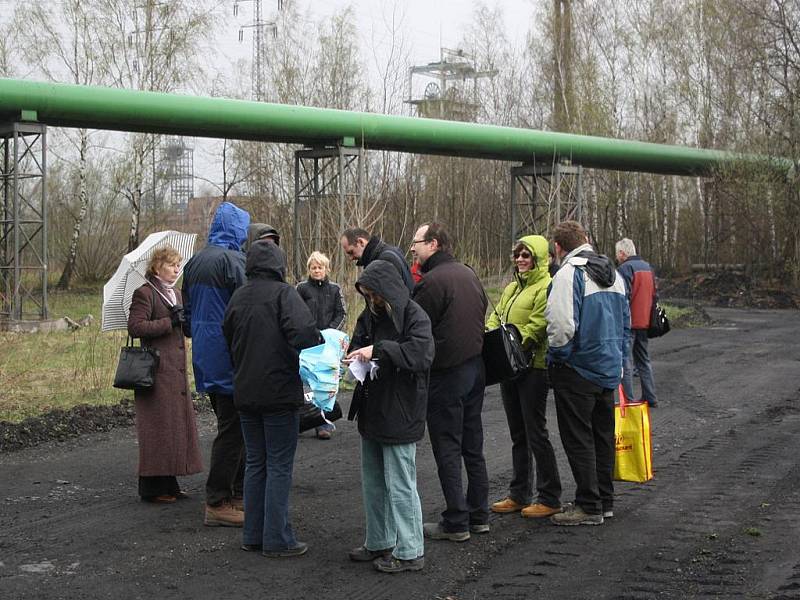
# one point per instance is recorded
(525, 398)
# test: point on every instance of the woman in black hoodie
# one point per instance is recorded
(266, 325)
(395, 333)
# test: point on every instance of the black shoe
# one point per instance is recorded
(298, 549)
(362, 554)
(252, 547)
(396, 565)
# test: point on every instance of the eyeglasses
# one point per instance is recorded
(522, 254)
(415, 242)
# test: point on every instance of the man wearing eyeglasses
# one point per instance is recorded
(453, 297)
(362, 248)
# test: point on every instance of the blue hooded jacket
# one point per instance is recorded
(209, 280)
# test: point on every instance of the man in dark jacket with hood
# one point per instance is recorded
(266, 325)
(394, 332)
(453, 297)
(209, 280)
(362, 248)
(587, 323)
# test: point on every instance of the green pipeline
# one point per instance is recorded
(64, 105)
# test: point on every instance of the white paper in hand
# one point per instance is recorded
(360, 370)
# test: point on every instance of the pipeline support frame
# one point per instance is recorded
(23, 227)
(325, 178)
(543, 195)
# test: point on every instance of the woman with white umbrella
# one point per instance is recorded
(165, 421)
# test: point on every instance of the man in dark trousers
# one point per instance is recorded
(587, 322)
(454, 299)
(209, 280)
(362, 248)
(640, 284)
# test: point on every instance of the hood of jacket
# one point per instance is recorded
(229, 227)
(597, 266)
(266, 261)
(258, 231)
(538, 247)
(382, 277)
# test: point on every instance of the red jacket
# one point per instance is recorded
(640, 286)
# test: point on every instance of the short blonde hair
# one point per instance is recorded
(165, 255)
(320, 259)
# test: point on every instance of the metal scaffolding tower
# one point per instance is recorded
(543, 195)
(329, 184)
(23, 234)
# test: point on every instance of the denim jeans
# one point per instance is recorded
(525, 404)
(391, 502)
(226, 469)
(585, 414)
(455, 402)
(638, 357)
(270, 441)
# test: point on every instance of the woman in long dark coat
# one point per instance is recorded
(165, 421)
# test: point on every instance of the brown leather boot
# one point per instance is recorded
(223, 515)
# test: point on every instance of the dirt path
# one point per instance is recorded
(719, 520)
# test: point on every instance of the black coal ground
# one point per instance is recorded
(719, 520)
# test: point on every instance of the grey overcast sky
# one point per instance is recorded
(427, 24)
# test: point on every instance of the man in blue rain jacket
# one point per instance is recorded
(209, 280)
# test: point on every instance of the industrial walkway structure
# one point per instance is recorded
(333, 141)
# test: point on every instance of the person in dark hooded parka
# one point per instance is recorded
(266, 325)
(395, 333)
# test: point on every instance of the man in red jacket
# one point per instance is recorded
(640, 285)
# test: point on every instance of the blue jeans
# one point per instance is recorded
(270, 441)
(391, 502)
(638, 356)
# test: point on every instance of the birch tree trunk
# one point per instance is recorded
(83, 200)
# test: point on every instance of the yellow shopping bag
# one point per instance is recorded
(634, 446)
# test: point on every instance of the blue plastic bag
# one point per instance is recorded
(320, 367)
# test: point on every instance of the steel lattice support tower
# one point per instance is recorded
(543, 195)
(329, 184)
(23, 229)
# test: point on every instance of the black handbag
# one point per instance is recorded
(137, 367)
(503, 355)
(311, 415)
(659, 323)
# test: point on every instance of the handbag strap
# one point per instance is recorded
(503, 322)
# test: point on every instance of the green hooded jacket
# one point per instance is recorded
(524, 299)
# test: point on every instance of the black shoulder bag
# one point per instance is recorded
(137, 367)
(503, 355)
(659, 323)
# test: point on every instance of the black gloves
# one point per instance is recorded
(176, 314)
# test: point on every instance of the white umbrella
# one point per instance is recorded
(118, 291)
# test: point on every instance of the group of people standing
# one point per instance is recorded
(423, 336)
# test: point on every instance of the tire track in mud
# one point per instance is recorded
(697, 503)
